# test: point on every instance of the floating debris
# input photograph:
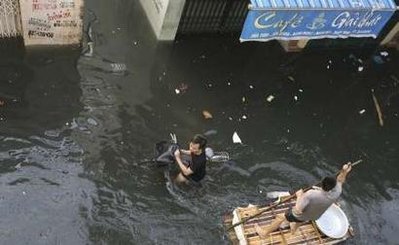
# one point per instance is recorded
(362, 111)
(384, 53)
(291, 79)
(244, 117)
(270, 98)
(243, 99)
(296, 98)
(228, 83)
(211, 132)
(236, 138)
(18, 166)
(378, 109)
(300, 90)
(182, 87)
(118, 67)
(360, 68)
(230, 118)
(207, 114)
(177, 91)
(251, 87)
(352, 56)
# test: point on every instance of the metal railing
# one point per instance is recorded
(213, 16)
(10, 19)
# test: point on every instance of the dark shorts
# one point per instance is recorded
(291, 218)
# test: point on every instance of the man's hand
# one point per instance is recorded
(347, 167)
(344, 172)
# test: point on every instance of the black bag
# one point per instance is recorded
(164, 153)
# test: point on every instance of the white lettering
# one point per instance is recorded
(267, 20)
(346, 20)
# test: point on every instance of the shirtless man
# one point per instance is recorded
(310, 205)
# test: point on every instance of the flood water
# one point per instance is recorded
(77, 131)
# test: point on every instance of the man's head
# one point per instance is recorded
(328, 183)
(197, 144)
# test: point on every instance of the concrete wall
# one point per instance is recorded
(52, 22)
(164, 16)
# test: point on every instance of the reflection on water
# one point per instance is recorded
(76, 136)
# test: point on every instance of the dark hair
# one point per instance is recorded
(328, 183)
(199, 139)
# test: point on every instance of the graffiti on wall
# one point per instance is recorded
(49, 22)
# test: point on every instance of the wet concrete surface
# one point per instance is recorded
(76, 131)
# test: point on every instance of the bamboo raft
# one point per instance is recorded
(307, 233)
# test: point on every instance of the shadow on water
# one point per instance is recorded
(40, 163)
(40, 86)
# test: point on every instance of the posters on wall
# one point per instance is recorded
(52, 22)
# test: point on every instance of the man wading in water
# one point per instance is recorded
(192, 162)
(311, 204)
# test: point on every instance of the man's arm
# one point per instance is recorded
(301, 202)
(344, 172)
(185, 170)
(187, 152)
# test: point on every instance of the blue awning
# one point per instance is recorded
(312, 19)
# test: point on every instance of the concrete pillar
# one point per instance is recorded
(55, 22)
(164, 16)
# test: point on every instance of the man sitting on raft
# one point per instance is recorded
(192, 162)
(311, 204)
